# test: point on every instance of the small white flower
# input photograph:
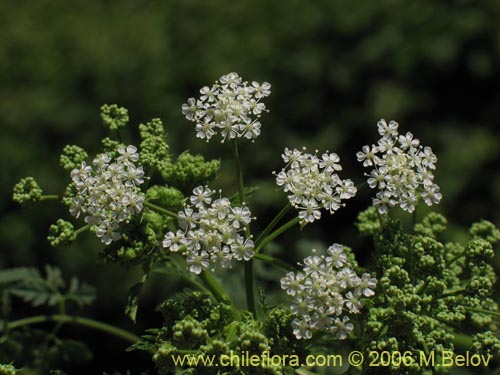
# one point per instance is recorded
(342, 328)
(367, 155)
(302, 329)
(201, 196)
(197, 262)
(367, 284)
(387, 130)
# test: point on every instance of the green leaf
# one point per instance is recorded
(73, 351)
(81, 293)
(53, 278)
(6, 303)
(248, 193)
(13, 275)
(38, 291)
(147, 343)
(133, 301)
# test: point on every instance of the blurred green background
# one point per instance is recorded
(336, 68)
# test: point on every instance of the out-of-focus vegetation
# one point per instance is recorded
(336, 68)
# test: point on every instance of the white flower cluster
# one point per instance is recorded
(402, 170)
(230, 106)
(211, 232)
(325, 292)
(313, 183)
(108, 193)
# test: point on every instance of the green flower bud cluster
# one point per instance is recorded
(368, 221)
(196, 325)
(7, 370)
(486, 342)
(62, 233)
(140, 240)
(155, 152)
(427, 289)
(432, 225)
(168, 197)
(72, 157)
(485, 230)
(27, 192)
(190, 171)
(142, 236)
(110, 146)
(114, 117)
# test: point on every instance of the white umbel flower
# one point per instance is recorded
(402, 170)
(325, 293)
(108, 192)
(313, 183)
(211, 232)
(230, 107)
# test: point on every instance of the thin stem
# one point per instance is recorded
(160, 209)
(239, 175)
(454, 259)
(361, 185)
(482, 311)
(57, 327)
(454, 292)
(213, 286)
(185, 278)
(273, 223)
(415, 217)
(77, 320)
(276, 233)
(49, 197)
(275, 262)
(248, 267)
(82, 229)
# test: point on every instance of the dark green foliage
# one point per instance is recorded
(429, 292)
(32, 287)
(196, 325)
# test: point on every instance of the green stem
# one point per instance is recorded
(248, 267)
(461, 340)
(273, 223)
(276, 233)
(49, 197)
(239, 175)
(415, 218)
(482, 311)
(361, 185)
(275, 262)
(454, 292)
(454, 259)
(184, 277)
(81, 230)
(160, 209)
(77, 320)
(213, 286)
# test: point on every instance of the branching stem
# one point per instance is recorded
(77, 320)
